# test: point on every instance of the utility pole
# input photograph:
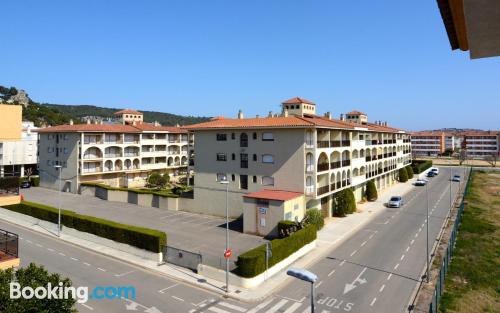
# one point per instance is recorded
(427, 237)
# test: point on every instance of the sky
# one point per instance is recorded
(389, 58)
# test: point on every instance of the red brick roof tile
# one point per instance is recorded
(128, 111)
(297, 100)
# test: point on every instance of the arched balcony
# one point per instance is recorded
(323, 162)
(92, 153)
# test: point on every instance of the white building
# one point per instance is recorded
(18, 155)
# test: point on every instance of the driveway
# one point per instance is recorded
(199, 233)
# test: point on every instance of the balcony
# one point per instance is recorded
(92, 170)
(309, 190)
(112, 155)
(309, 168)
(346, 163)
(323, 167)
(368, 158)
(335, 143)
(323, 144)
(322, 190)
(334, 165)
(346, 143)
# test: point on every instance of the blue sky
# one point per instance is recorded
(391, 59)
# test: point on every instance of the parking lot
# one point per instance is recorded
(188, 231)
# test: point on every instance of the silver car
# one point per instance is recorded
(395, 202)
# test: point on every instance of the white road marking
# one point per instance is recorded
(123, 274)
(87, 306)
(28, 241)
(217, 310)
(20, 237)
(408, 249)
(364, 243)
(416, 235)
(39, 245)
(354, 252)
(412, 241)
(342, 263)
(420, 229)
(293, 307)
(177, 298)
(101, 269)
(402, 257)
(389, 277)
(74, 259)
(331, 273)
(277, 306)
(318, 284)
(396, 266)
(371, 236)
(373, 301)
(50, 249)
(381, 288)
(162, 290)
(260, 306)
(86, 263)
(61, 254)
(233, 307)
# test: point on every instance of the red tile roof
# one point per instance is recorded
(152, 127)
(281, 121)
(427, 133)
(273, 194)
(110, 128)
(297, 100)
(355, 112)
(128, 111)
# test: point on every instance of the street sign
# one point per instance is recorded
(227, 253)
(269, 251)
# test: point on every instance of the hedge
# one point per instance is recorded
(7, 183)
(403, 175)
(143, 238)
(314, 217)
(35, 181)
(409, 171)
(344, 202)
(371, 191)
(285, 228)
(137, 191)
(253, 262)
(419, 166)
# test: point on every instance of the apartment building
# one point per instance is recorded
(296, 151)
(425, 144)
(481, 144)
(120, 155)
(18, 143)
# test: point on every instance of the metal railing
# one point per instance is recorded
(9, 244)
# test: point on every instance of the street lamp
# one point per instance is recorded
(225, 181)
(307, 276)
(427, 238)
(59, 168)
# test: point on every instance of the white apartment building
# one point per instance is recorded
(297, 151)
(119, 155)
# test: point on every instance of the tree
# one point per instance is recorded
(403, 175)
(492, 159)
(409, 171)
(343, 202)
(33, 276)
(158, 181)
(462, 156)
(28, 172)
(314, 217)
(371, 191)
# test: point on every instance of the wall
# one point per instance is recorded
(10, 127)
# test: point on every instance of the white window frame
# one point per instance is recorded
(264, 156)
(269, 135)
(266, 179)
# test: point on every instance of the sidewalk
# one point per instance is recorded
(335, 232)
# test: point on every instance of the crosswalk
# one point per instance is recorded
(271, 305)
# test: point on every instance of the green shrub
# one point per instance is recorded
(419, 166)
(286, 228)
(403, 175)
(158, 181)
(253, 262)
(314, 217)
(409, 171)
(35, 181)
(7, 183)
(144, 238)
(371, 191)
(343, 202)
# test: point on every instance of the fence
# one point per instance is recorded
(191, 260)
(438, 290)
(9, 244)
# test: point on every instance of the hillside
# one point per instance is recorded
(56, 114)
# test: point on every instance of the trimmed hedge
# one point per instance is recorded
(143, 238)
(409, 171)
(314, 217)
(403, 175)
(253, 262)
(343, 202)
(137, 191)
(285, 228)
(11, 182)
(419, 166)
(371, 191)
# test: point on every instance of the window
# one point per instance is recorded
(233, 178)
(233, 156)
(254, 179)
(244, 160)
(243, 181)
(267, 181)
(254, 136)
(49, 163)
(288, 216)
(233, 136)
(267, 137)
(65, 150)
(221, 177)
(255, 157)
(267, 158)
(51, 136)
(243, 140)
(221, 157)
(221, 137)
(296, 207)
(65, 136)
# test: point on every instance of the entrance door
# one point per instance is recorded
(324, 206)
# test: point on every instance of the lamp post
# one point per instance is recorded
(307, 276)
(451, 180)
(427, 237)
(225, 181)
(59, 168)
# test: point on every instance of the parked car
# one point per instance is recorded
(435, 170)
(456, 178)
(395, 202)
(431, 174)
(420, 182)
(25, 184)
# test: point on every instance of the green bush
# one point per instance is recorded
(314, 217)
(403, 175)
(144, 238)
(7, 183)
(35, 181)
(371, 191)
(419, 166)
(158, 181)
(286, 228)
(253, 262)
(409, 171)
(343, 202)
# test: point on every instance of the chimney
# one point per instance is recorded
(177, 125)
(328, 115)
(285, 113)
(342, 118)
(257, 116)
(71, 122)
(240, 114)
(133, 123)
(96, 122)
(385, 123)
(88, 121)
(270, 114)
(157, 123)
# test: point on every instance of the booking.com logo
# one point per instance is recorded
(81, 294)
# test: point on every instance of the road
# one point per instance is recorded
(375, 270)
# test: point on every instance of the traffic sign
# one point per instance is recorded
(227, 253)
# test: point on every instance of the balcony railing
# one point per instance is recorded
(346, 163)
(323, 190)
(368, 158)
(92, 170)
(323, 167)
(323, 143)
(9, 244)
(336, 164)
(309, 190)
(335, 143)
(309, 168)
(113, 155)
(346, 143)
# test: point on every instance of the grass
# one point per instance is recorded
(473, 280)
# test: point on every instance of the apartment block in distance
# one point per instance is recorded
(425, 144)
(294, 153)
(119, 155)
(18, 143)
(481, 144)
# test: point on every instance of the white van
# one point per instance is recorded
(435, 170)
